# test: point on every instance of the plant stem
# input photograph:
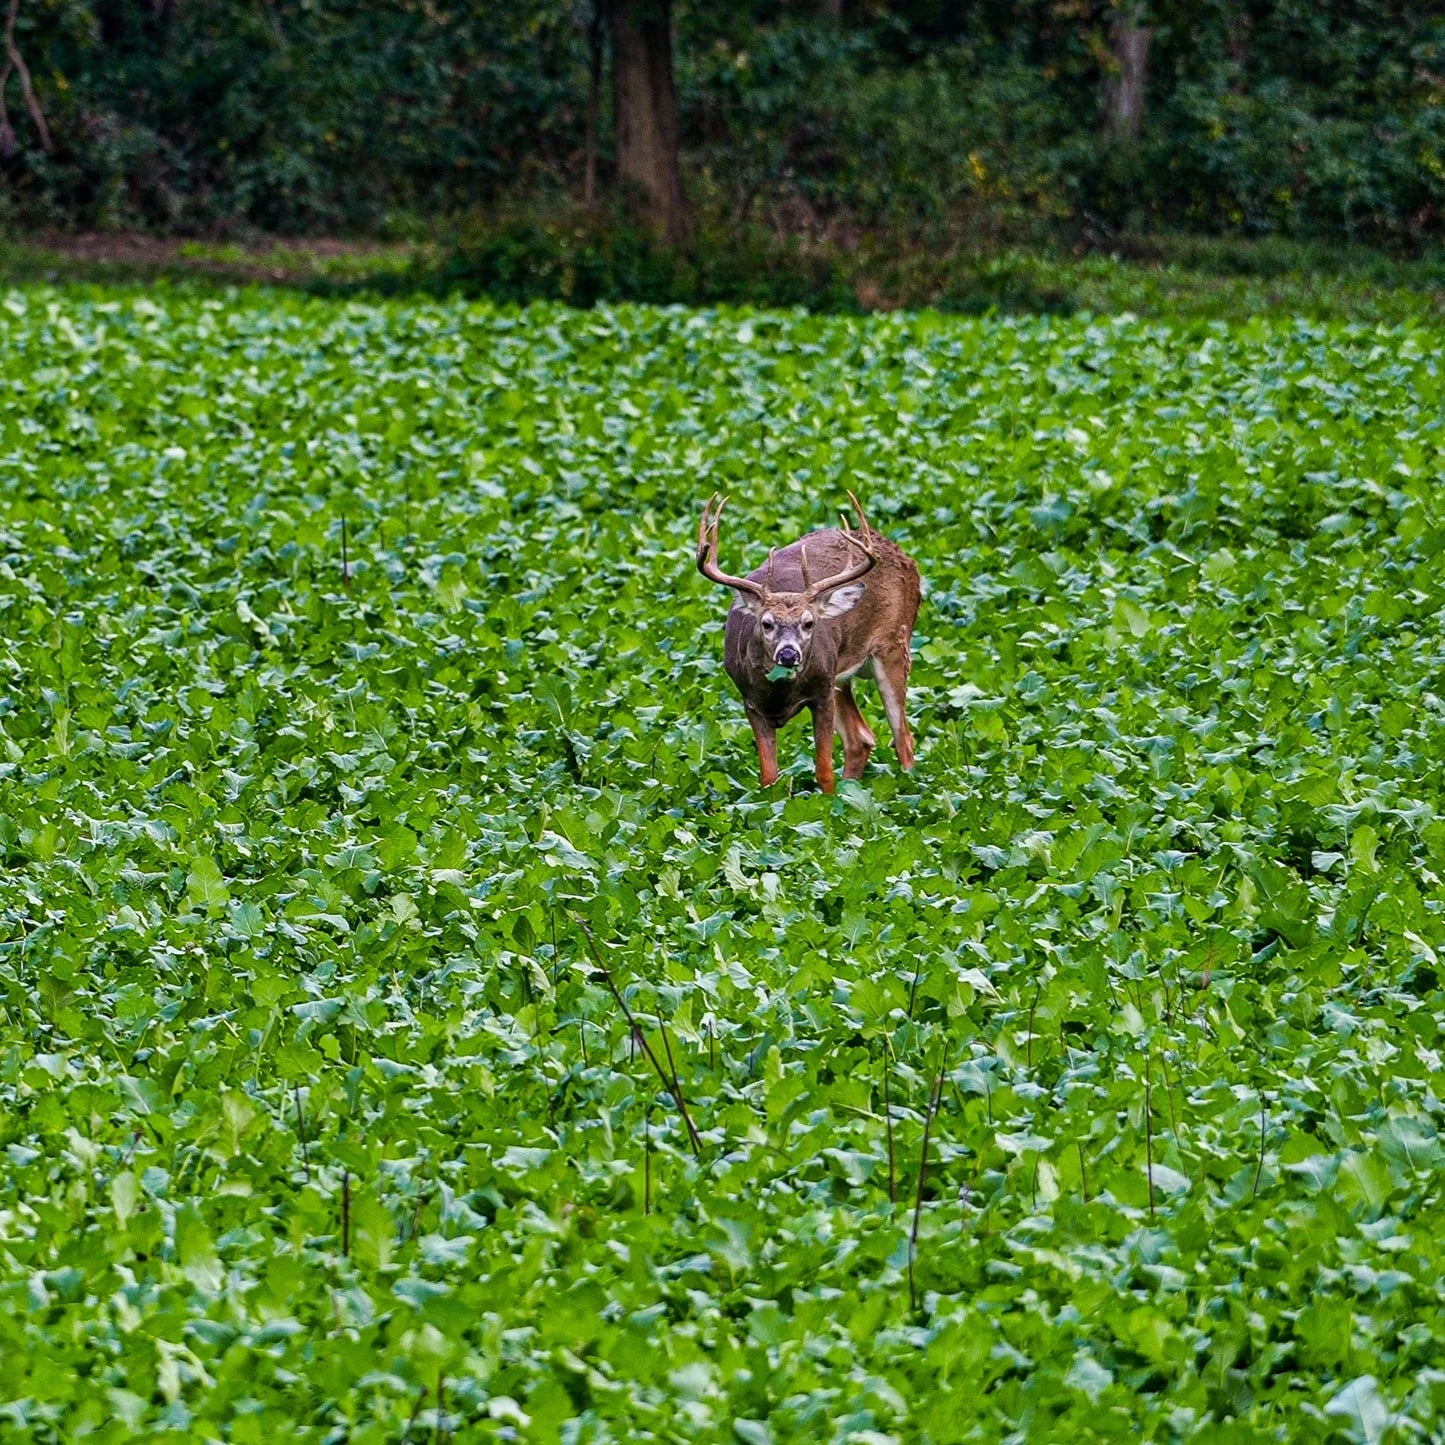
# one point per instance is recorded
(1029, 1055)
(1259, 1171)
(913, 990)
(1149, 1132)
(301, 1130)
(888, 1126)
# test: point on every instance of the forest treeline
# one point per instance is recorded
(997, 119)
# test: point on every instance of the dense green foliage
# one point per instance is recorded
(293, 116)
(1170, 278)
(983, 120)
(319, 1116)
(584, 262)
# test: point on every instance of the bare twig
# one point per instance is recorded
(415, 1411)
(14, 61)
(671, 1065)
(275, 20)
(7, 131)
(671, 1084)
(933, 1101)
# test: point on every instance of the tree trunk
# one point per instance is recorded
(16, 62)
(1124, 86)
(1236, 46)
(644, 103)
(594, 89)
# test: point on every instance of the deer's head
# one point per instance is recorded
(786, 621)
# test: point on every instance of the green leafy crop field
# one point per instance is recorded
(1082, 1084)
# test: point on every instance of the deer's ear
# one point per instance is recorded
(746, 602)
(845, 599)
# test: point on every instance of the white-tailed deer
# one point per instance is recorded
(793, 642)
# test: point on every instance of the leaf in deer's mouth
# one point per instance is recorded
(779, 672)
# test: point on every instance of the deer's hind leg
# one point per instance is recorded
(858, 739)
(890, 671)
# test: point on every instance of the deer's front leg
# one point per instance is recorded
(765, 735)
(823, 741)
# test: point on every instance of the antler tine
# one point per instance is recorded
(772, 552)
(848, 533)
(862, 518)
(702, 527)
(803, 557)
(849, 574)
(707, 550)
(862, 539)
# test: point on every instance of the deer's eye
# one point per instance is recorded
(768, 624)
(807, 624)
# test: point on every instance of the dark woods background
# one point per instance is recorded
(995, 120)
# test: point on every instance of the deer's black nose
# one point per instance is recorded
(789, 656)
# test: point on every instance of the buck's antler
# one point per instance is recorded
(862, 520)
(707, 550)
(814, 590)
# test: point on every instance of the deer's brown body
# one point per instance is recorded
(858, 619)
